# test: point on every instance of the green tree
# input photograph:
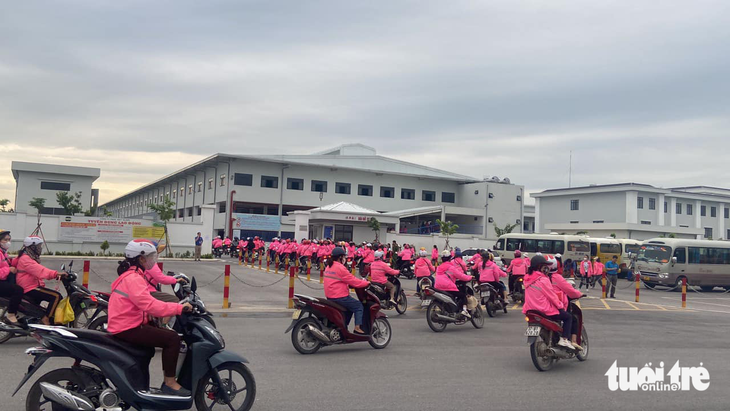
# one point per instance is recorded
(38, 203)
(613, 235)
(374, 225)
(104, 213)
(71, 203)
(506, 230)
(165, 212)
(448, 229)
(104, 246)
(4, 203)
(672, 235)
(581, 233)
(90, 212)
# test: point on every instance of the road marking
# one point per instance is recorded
(635, 307)
(516, 306)
(605, 304)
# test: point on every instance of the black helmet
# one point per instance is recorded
(3, 233)
(338, 252)
(537, 262)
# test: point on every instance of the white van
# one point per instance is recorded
(572, 247)
(665, 261)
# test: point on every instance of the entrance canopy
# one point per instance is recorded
(340, 221)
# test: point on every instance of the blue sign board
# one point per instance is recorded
(256, 222)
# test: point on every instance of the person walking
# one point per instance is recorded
(198, 246)
(612, 274)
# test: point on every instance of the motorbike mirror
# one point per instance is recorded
(176, 288)
(63, 267)
(193, 285)
(71, 264)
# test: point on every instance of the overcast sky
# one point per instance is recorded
(640, 91)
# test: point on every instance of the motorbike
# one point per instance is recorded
(406, 269)
(543, 336)
(424, 282)
(87, 306)
(518, 294)
(400, 296)
(319, 322)
(443, 310)
(492, 299)
(119, 378)
(218, 252)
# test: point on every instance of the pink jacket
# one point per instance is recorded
(155, 276)
(131, 302)
(217, 242)
(4, 265)
(586, 268)
(351, 250)
(323, 251)
(258, 244)
(540, 296)
(489, 273)
(305, 250)
(368, 256)
(459, 262)
(477, 260)
(31, 274)
(567, 290)
(274, 246)
(406, 254)
(337, 279)
(517, 267)
(378, 271)
(446, 276)
(598, 269)
(423, 267)
(435, 254)
(227, 242)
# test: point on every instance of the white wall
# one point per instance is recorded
(609, 207)
(428, 241)
(29, 186)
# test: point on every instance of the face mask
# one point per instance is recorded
(149, 262)
(5, 245)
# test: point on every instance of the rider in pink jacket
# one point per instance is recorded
(155, 276)
(446, 276)
(336, 282)
(379, 272)
(217, 242)
(489, 272)
(30, 275)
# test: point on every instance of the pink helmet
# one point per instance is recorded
(518, 254)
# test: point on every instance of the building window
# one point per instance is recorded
(190, 189)
(448, 197)
(652, 204)
(181, 213)
(342, 188)
(703, 211)
(222, 207)
(364, 190)
(210, 184)
(597, 221)
(319, 186)
(294, 184)
(407, 194)
(182, 191)
(387, 192)
(727, 213)
(645, 222)
(574, 222)
(727, 237)
(574, 205)
(50, 185)
(640, 202)
(223, 180)
(689, 209)
(174, 194)
(190, 211)
(198, 210)
(269, 182)
(343, 233)
(666, 207)
(713, 212)
(428, 195)
(679, 208)
(200, 187)
(708, 232)
(519, 198)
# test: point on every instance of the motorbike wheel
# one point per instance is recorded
(402, 305)
(99, 324)
(433, 309)
(302, 340)
(237, 379)
(540, 359)
(81, 319)
(491, 309)
(583, 355)
(477, 319)
(381, 334)
(63, 377)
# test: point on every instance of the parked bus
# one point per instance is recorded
(606, 248)
(666, 261)
(571, 247)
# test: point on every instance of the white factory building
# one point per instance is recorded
(347, 185)
(35, 180)
(632, 210)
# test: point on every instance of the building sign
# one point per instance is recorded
(113, 230)
(356, 218)
(256, 222)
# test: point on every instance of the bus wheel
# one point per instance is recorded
(678, 284)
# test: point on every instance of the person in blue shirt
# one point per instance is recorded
(198, 246)
(612, 272)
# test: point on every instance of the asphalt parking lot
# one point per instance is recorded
(462, 368)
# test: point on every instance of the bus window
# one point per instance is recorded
(681, 256)
(529, 246)
(513, 244)
(594, 249)
(613, 249)
(632, 248)
(499, 245)
(545, 246)
(558, 247)
(578, 246)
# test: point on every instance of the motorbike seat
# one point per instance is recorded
(332, 304)
(27, 307)
(555, 325)
(109, 340)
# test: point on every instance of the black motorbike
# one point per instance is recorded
(118, 375)
(87, 306)
(443, 309)
(491, 298)
(400, 295)
(518, 293)
(218, 252)
(406, 268)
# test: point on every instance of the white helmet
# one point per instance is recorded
(138, 247)
(368, 245)
(558, 255)
(552, 263)
(32, 240)
(446, 253)
(423, 253)
(379, 255)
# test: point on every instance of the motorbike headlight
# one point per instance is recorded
(216, 334)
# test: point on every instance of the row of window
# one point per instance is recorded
(703, 255)
(575, 205)
(55, 186)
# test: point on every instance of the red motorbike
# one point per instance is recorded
(320, 322)
(543, 335)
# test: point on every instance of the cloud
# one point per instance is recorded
(637, 91)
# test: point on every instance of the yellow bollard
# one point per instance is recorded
(603, 286)
(240, 257)
(276, 264)
(309, 269)
(268, 262)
